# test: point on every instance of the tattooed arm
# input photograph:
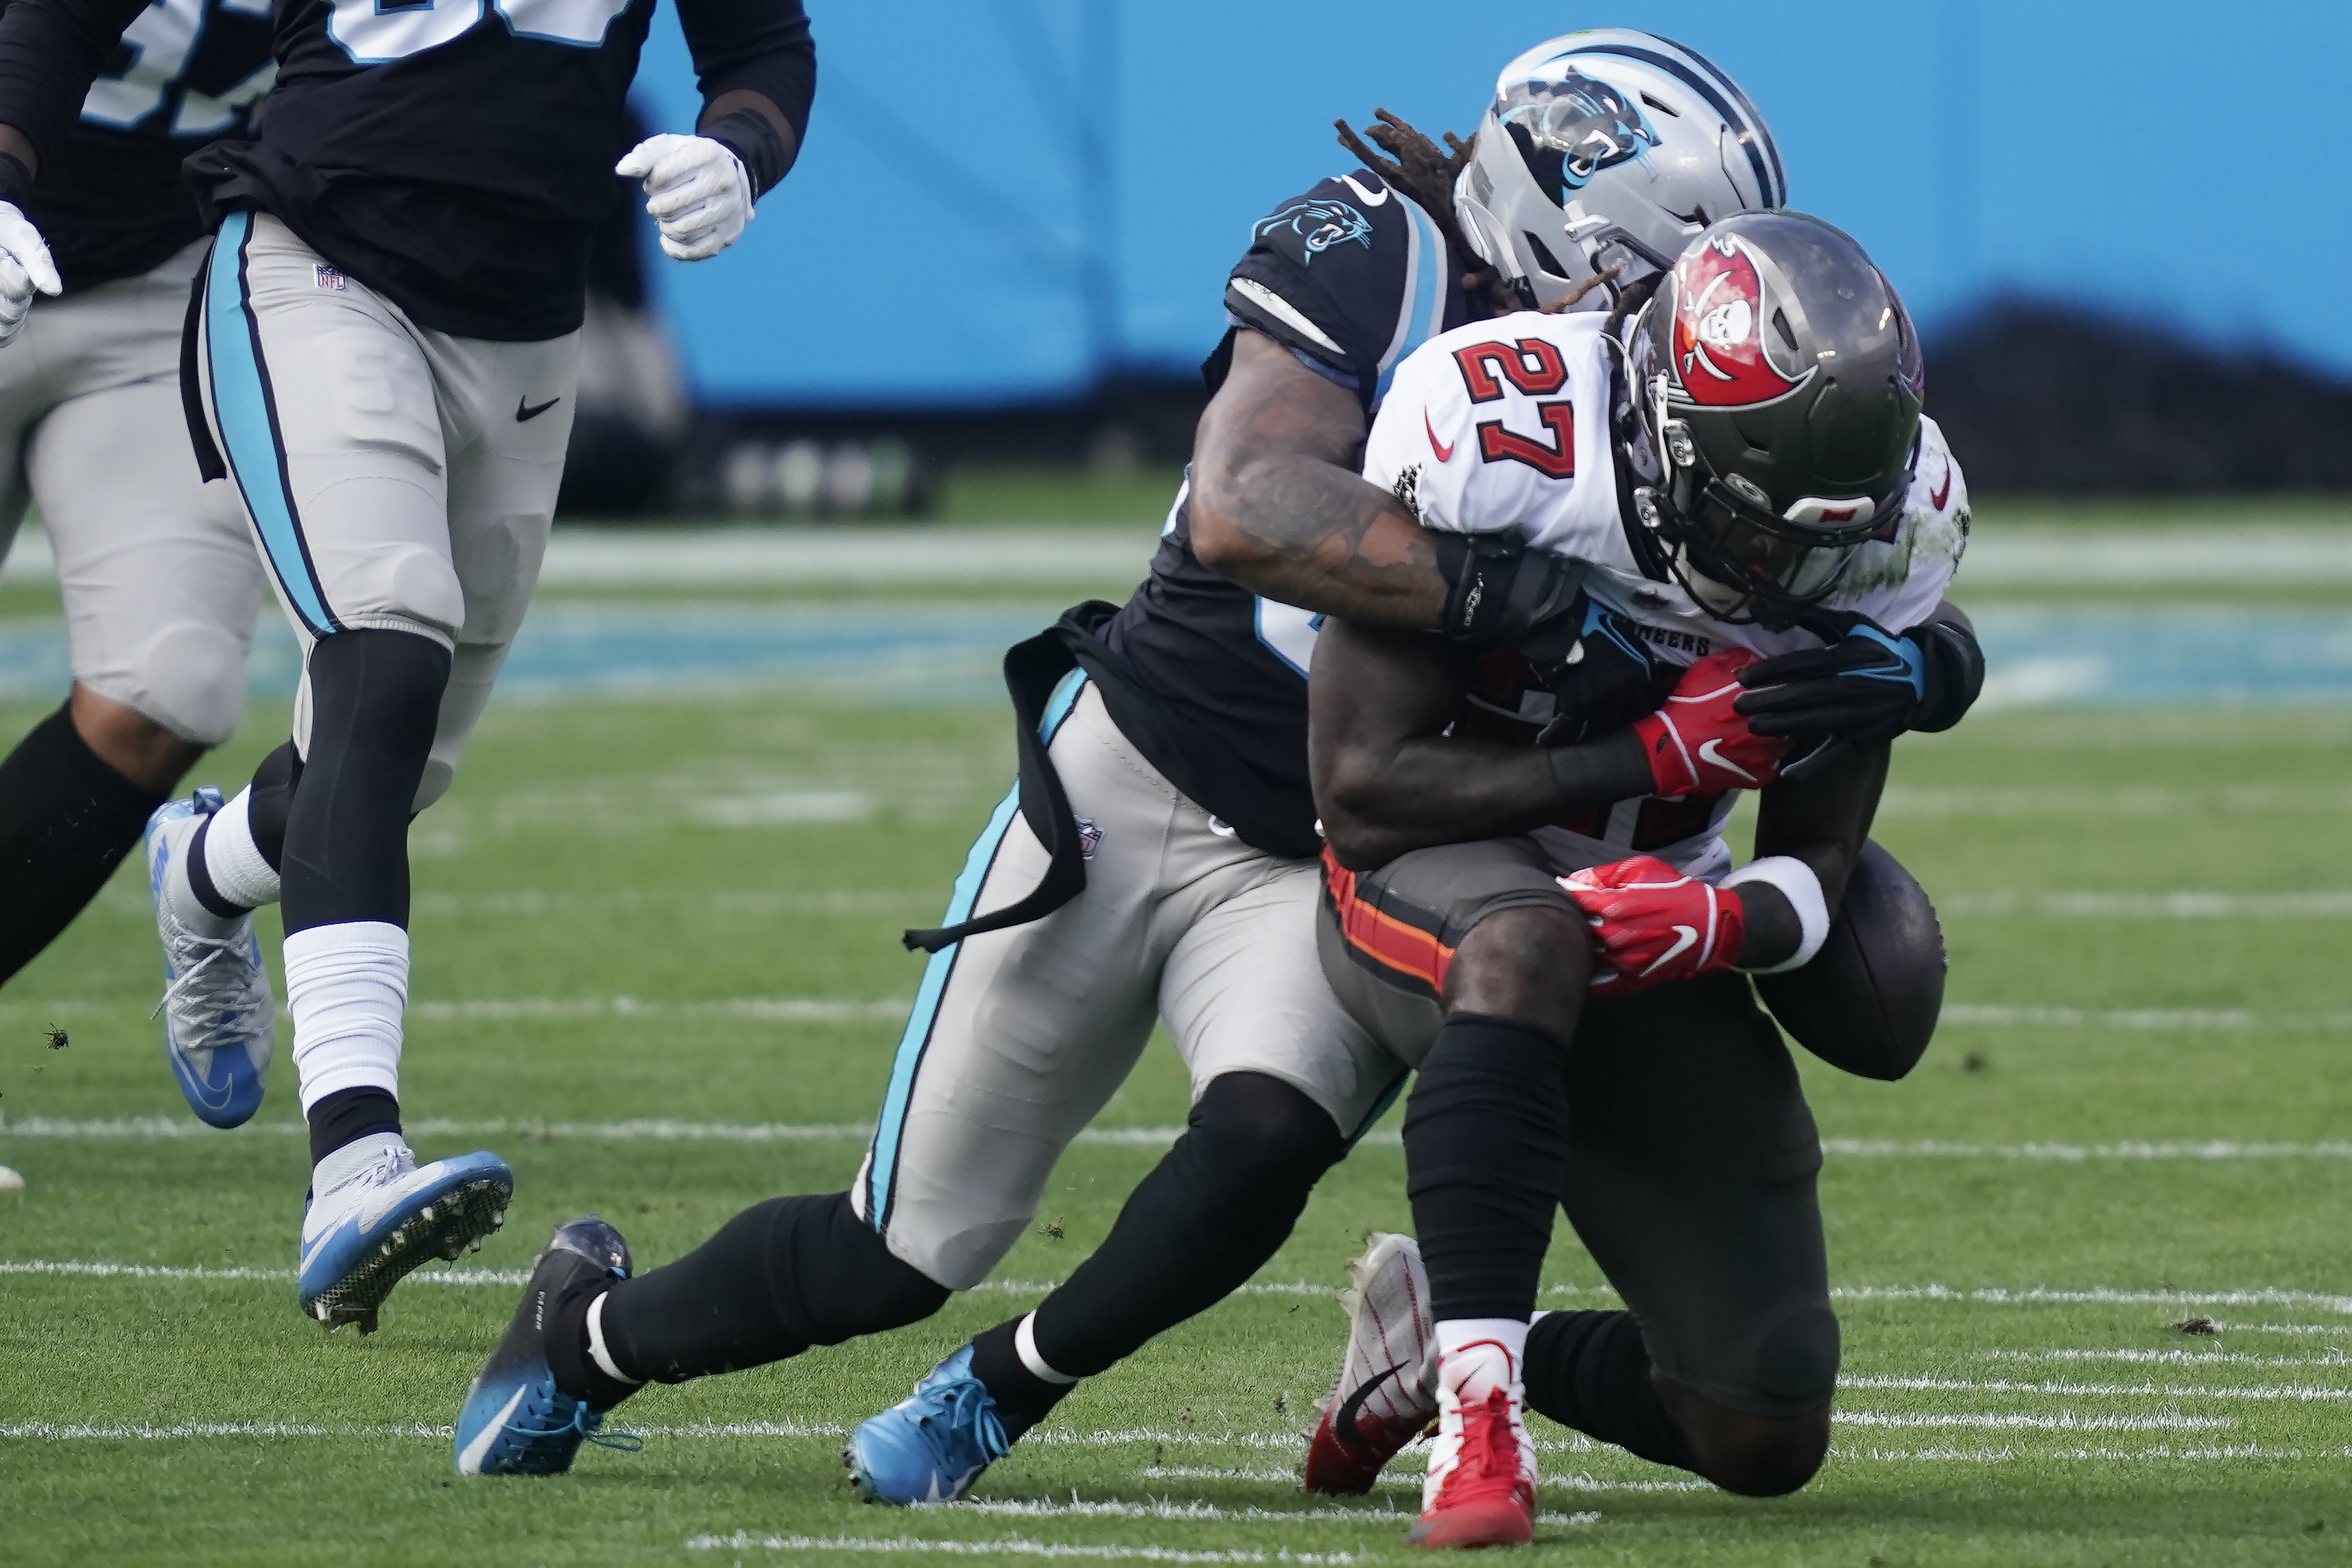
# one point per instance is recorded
(1278, 505)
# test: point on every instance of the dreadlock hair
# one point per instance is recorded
(1414, 165)
(1630, 300)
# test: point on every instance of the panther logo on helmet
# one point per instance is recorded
(1725, 328)
(1571, 128)
(1320, 226)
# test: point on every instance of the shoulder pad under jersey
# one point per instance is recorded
(1502, 427)
(1351, 274)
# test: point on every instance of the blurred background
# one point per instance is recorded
(1005, 241)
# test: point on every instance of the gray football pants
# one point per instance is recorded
(394, 477)
(158, 576)
(1019, 1037)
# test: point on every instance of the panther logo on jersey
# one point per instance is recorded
(1733, 344)
(1571, 129)
(1320, 226)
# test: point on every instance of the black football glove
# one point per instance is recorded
(1607, 679)
(1867, 686)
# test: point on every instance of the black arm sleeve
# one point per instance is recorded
(50, 51)
(760, 47)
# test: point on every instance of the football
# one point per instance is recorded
(1868, 1002)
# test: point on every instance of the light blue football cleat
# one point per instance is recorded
(220, 1020)
(515, 1420)
(932, 1444)
(362, 1238)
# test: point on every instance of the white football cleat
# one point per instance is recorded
(362, 1238)
(1383, 1397)
(220, 1020)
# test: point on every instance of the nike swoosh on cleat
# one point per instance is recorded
(1344, 1422)
(1686, 937)
(1708, 753)
(524, 411)
(469, 1462)
(1445, 454)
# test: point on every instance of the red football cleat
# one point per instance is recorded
(1379, 1402)
(1482, 1475)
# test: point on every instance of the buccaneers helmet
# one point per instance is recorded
(1777, 386)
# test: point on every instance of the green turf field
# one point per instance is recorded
(657, 968)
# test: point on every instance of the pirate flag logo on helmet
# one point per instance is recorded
(1733, 344)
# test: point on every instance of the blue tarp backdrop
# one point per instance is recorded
(1001, 197)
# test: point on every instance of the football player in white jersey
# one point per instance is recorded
(1528, 895)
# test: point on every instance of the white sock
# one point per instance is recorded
(1477, 1355)
(234, 860)
(1024, 1345)
(350, 1159)
(346, 986)
(596, 1351)
(179, 894)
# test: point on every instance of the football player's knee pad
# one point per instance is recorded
(1869, 1000)
(1251, 1135)
(190, 680)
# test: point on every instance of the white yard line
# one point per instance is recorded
(2301, 1392)
(1996, 1296)
(1010, 1546)
(677, 1131)
(2064, 1421)
(2173, 904)
(1209, 1512)
(2190, 1019)
(2174, 1358)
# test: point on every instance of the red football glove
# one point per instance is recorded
(1653, 924)
(1697, 745)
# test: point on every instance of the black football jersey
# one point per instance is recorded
(111, 202)
(455, 155)
(1351, 277)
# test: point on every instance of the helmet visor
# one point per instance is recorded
(1742, 544)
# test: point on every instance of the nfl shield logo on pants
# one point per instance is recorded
(1089, 836)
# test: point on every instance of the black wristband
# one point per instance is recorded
(16, 182)
(1478, 569)
(1601, 772)
(1956, 672)
(751, 137)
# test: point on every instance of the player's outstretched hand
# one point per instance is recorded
(1698, 743)
(696, 189)
(1868, 686)
(24, 267)
(1652, 924)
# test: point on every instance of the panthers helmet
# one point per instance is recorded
(1609, 148)
(1778, 383)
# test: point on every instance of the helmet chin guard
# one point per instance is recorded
(1609, 148)
(1779, 382)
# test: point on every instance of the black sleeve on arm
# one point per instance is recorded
(50, 51)
(756, 65)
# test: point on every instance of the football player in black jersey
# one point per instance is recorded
(381, 355)
(157, 574)
(1159, 857)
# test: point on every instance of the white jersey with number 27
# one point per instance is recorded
(1502, 427)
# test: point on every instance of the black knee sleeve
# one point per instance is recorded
(778, 1278)
(1205, 1219)
(67, 820)
(375, 699)
(1486, 1148)
(273, 797)
(1590, 1371)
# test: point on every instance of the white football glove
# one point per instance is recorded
(25, 265)
(696, 189)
